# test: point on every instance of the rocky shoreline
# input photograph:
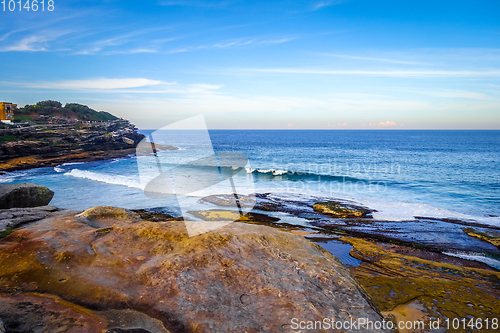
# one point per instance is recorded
(51, 141)
(112, 270)
(108, 270)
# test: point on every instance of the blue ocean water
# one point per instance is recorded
(400, 173)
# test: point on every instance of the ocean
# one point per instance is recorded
(399, 173)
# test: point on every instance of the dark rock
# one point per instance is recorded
(2, 327)
(238, 278)
(133, 330)
(15, 217)
(24, 195)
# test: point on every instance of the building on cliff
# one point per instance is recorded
(7, 112)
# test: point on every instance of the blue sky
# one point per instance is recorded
(262, 64)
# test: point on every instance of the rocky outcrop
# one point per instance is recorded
(239, 278)
(490, 236)
(341, 210)
(24, 195)
(14, 217)
(52, 139)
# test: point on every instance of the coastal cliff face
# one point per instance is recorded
(241, 278)
(54, 140)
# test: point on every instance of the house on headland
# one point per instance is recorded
(7, 112)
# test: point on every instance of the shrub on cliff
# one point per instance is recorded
(55, 109)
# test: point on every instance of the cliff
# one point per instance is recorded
(50, 140)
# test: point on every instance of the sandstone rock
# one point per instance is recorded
(231, 215)
(14, 217)
(491, 236)
(239, 278)
(340, 210)
(101, 217)
(128, 141)
(46, 313)
(24, 195)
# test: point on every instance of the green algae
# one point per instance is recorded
(446, 291)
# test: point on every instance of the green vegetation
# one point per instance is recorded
(55, 109)
(6, 232)
(8, 138)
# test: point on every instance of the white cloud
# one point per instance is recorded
(387, 60)
(393, 73)
(386, 123)
(26, 44)
(456, 94)
(323, 4)
(101, 83)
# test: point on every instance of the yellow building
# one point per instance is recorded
(7, 111)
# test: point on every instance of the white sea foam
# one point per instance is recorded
(133, 182)
(274, 172)
(477, 257)
(386, 210)
(72, 163)
(10, 176)
(58, 169)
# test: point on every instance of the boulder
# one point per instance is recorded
(24, 195)
(238, 278)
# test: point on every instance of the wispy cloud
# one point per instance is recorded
(31, 43)
(327, 3)
(393, 73)
(131, 39)
(386, 60)
(101, 83)
(194, 3)
(132, 51)
(455, 94)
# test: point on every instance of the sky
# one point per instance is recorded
(319, 64)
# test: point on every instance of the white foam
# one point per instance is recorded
(58, 169)
(133, 182)
(476, 257)
(272, 171)
(72, 163)
(386, 210)
(10, 176)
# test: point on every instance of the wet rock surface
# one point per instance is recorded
(399, 283)
(341, 210)
(24, 195)
(231, 215)
(238, 278)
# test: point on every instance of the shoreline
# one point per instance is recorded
(395, 278)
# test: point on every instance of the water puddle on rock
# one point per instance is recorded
(338, 249)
